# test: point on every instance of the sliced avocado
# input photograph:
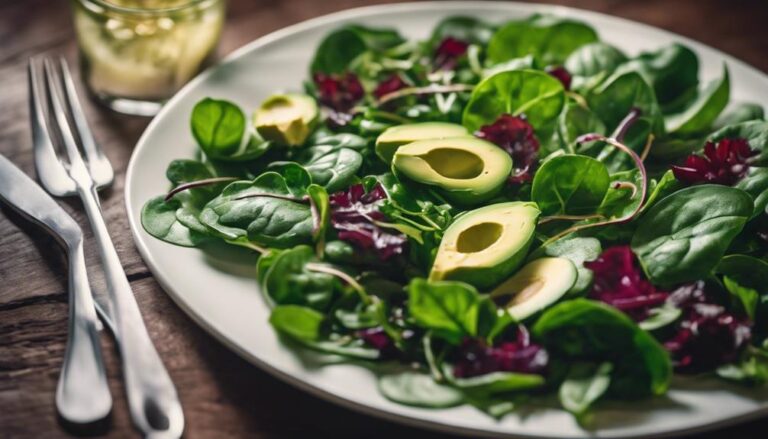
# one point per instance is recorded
(397, 136)
(286, 119)
(484, 246)
(467, 170)
(537, 285)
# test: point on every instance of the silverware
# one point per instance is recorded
(82, 393)
(152, 398)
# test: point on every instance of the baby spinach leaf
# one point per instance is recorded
(755, 132)
(337, 50)
(585, 330)
(683, 236)
(755, 183)
(419, 390)
(332, 168)
(621, 201)
(591, 61)
(158, 218)
(614, 98)
(298, 322)
(672, 72)
(585, 384)
(321, 202)
(578, 250)
(703, 111)
(746, 277)
(748, 298)
(534, 93)
(570, 184)
(574, 121)
(185, 171)
(740, 112)
(221, 131)
(546, 37)
(751, 370)
(660, 317)
(497, 382)
(289, 282)
(270, 218)
(666, 185)
(467, 29)
(526, 62)
(449, 309)
(297, 178)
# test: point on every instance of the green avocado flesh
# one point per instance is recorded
(467, 170)
(537, 285)
(286, 119)
(485, 245)
(397, 136)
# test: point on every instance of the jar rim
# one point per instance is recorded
(101, 6)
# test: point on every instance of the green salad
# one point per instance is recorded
(502, 212)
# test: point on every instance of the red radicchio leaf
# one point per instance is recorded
(561, 74)
(708, 335)
(448, 53)
(620, 282)
(354, 214)
(475, 357)
(389, 85)
(724, 163)
(338, 92)
(516, 136)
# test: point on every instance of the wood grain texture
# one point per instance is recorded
(222, 395)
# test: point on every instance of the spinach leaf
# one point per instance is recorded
(574, 121)
(288, 281)
(419, 390)
(755, 132)
(185, 171)
(683, 236)
(621, 201)
(497, 382)
(526, 62)
(332, 168)
(548, 38)
(536, 94)
(585, 384)
(449, 309)
(578, 250)
(321, 202)
(268, 216)
(298, 322)
(702, 112)
(158, 218)
(666, 185)
(746, 277)
(590, 62)
(672, 72)
(741, 112)
(755, 183)
(337, 50)
(585, 330)
(570, 184)
(614, 98)
(468, 29)
(220, 129)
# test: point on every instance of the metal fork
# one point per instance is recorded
(152, 398)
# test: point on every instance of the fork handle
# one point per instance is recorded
(152, 399)
(82, 393)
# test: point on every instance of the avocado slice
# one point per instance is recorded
(537, 285)
(397, 136)
(467, 170)
(484, 246)
(286, 119)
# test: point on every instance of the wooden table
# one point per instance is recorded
(222, 395)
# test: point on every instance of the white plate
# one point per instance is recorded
(218, 289)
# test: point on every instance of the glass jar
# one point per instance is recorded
(135, 54)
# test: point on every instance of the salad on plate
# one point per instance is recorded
(500, 213)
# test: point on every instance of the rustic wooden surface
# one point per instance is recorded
(222, 395)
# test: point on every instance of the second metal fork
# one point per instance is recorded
(152, 398)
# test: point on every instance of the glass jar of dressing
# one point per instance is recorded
(135, 54)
